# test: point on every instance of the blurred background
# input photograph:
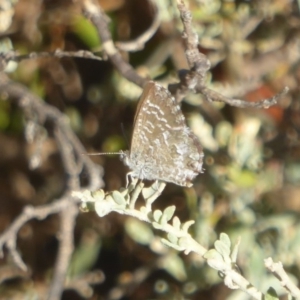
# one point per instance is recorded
(250, 186)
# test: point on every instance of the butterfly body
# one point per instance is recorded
(162, 147)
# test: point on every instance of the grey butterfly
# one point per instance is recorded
(162, 147)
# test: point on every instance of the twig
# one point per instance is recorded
(93, 11)
(14, 56)
(44, 112)
(279, 272)
(193, 79)
(265, 103)
(139, 43)
(83, 284)
(9, 236)
(198, 62)
(66, 247)
(11, 272)
(71, 150)
(177, 232)
(71, 166)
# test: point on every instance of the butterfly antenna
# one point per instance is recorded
(102, 153)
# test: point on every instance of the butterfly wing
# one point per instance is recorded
(162, 146)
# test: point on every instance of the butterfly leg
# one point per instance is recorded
(132, 185)
(153, 192)
(133, 179)
(135, 193)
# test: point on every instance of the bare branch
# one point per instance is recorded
(198, 62)
(11, 272)
(82, 284)
(9, 236)
(279, 272)
(265, 103)
(139, 43)
(6, 57)
(193, 79)
(72, 167)
(44, 112)
(70, 149)
(66, 247)
(93, 11)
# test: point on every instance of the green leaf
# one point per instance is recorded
(176, 223)
(74, 118)
(157, 215)
(86, 254)
(187, 225)
(174, 265)
(214, 259)
(98, 195)
(242, 178)
(212, 254)
(169, 244)
(222, 248)
(172, 238)
(225, 239)
(139, 231)
(118, 198)
(156, 225)
(271, 294)
(87, 32)
(169, 212)
(223, 132)
(234, 253)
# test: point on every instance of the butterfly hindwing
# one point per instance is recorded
(162, 146)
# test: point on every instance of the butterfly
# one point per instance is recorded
(162, 147)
